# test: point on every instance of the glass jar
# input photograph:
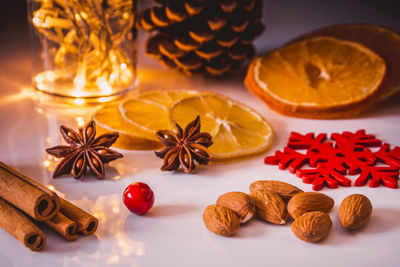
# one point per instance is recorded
(83, 48)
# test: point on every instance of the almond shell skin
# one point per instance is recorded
(307, 202)
(312, 226)
(269, 206)
(240, 203)
(355, 211)
(285, 190)
(220, 220)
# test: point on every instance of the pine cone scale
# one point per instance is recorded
(203, 36)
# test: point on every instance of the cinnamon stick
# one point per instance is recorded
(63, 226)
(19, 226)
(27, 195)
(87, 224)
(54, 197)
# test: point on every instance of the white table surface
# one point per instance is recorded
(173, 233)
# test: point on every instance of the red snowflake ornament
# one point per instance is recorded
(330, 162)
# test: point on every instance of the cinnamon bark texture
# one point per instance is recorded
(87, 224)
(19, 194)
(54, 198)
(27, 195)
(63, 226)
(20, 227)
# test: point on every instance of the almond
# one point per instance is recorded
(309, 201)
(355, 211)
(220, 220)
(269, 206)
(285, 190)
(312, 226)
(241, 203)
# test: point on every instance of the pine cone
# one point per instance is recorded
(203, 36)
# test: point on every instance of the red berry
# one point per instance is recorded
(138, 198)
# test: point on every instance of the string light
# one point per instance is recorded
(84, 51)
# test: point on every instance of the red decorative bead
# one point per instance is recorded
(138, 198)
(345, 153)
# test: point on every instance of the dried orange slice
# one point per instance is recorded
(320, 77)
(381, 40)
(137, 118)
(109, 119)
(236, 129)
(149, 111)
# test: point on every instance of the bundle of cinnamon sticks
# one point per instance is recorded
(24, 202)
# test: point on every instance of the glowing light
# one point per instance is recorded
(39, 79)
(36, 21)
(52, 188)
(46, 163)
(112, 77)
(40, 86)
(104, 86)
(79, 101)
(103, 99)
(79, 82)
(125, 15)
(93, 69)
(50, 76)
(83, 15)
(80, 121)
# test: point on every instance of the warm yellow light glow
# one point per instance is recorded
(46, 163)
(104, 86)
(50, 76)
(80, 60)
(83, 15)
(112, 77)
(39, 79)
(79, 101)
(104, 99)
(40, 86)
(80, 121)
(36, 21)
(125, 15)
(52, 188)
(79, 83)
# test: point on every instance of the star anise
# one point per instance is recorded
(183, 148)
(84, 150)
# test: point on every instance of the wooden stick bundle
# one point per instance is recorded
(20, 195)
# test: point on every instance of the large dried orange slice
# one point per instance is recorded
(320, 77)
(236, 129)
(381, 40)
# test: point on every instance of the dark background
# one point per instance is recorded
(284, 18)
